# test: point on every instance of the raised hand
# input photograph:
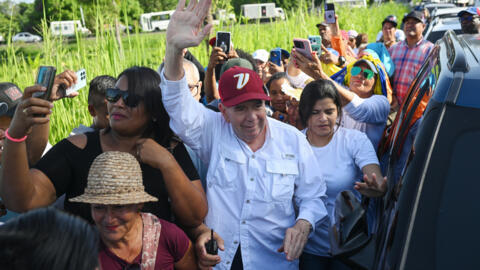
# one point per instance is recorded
(63, 81)
(312, 68)
(185, 26)
(30, 111)
(370, 187)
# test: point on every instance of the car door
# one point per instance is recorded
(395, 149)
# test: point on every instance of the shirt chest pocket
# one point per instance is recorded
(229, 169)
(282, 174)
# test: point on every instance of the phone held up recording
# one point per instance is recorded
(303, 46)
(223, 41)
(45, 78)
(330, 13)
(276, 57)
(316, 43)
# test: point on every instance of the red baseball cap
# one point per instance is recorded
(239, 84)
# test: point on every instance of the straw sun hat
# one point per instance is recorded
(114, 178)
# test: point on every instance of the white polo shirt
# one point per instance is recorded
(251, 195)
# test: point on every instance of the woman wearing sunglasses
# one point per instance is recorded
(139, 125)
(366, 101)
(346, 157)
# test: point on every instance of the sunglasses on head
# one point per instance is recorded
(367, 73)
(114, 94)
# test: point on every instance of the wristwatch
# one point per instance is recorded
(341, 61)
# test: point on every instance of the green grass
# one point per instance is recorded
(100, 55)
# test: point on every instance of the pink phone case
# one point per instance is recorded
(305, 49)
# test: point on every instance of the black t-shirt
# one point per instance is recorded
(67, 167)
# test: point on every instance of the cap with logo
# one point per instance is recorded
(390, 19)
(470, 10)
(239, 84)
(10, 96)
(415, 15)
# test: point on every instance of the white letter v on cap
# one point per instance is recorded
(242, 79)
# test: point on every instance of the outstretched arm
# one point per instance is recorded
(184, 31)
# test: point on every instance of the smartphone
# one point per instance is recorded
(276, 57)
(329, 13)
(81, 82)
(223, 41)
(45, 78)
(316, 43)
(303, 46)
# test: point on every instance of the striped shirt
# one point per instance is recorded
(408, 62)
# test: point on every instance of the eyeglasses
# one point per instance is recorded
(194, 88)
(114, 94)
(367, 73)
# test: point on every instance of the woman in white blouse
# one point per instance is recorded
(346, 156)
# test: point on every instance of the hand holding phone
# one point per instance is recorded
(303, 46)
(211, 246)
(224, 41)
(45, 78)
(81, 82)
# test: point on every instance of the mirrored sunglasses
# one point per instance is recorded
(367, 73)
(114, 94)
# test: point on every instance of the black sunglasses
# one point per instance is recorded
(113, 95)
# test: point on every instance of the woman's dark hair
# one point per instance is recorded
(48, 239)
(145, 82)
(315, 91)
(360, 39)
(276, 76)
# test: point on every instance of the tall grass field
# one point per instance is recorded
(101, 55)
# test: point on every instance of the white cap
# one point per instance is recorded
(261, 55)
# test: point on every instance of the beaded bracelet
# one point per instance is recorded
(13, 139)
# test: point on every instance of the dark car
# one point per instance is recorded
(429, 218)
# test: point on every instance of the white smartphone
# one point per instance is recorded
(81, 82)
(330, 13)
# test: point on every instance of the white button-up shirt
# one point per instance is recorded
(251, 195)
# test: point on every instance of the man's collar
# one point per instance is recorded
(416, 44)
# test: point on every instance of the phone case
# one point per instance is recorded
(45, 78)
(330, 13)
(303, 46)
(223, 41)
(81, 82)
(276, 57)
(316, 43)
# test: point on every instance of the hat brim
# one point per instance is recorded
(114, 199)
(389, 21)
(245, 97)
(413, 17)
(369, 64)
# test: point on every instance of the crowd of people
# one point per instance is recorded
(245, 152)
